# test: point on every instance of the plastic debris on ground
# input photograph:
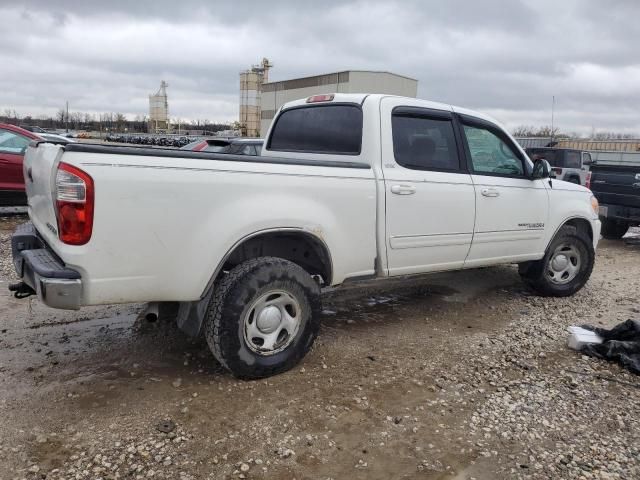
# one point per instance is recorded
(580, 337)
(620, 344)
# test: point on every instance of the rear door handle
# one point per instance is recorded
(490, 192)
(403, 189)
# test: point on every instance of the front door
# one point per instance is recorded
(430, 201)
(511, 209)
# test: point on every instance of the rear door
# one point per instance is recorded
(511, 209)
(430, 201)
(12, 148)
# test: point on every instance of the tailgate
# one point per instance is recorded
(40, 163)
(616, 185)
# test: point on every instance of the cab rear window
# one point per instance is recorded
(333, 129)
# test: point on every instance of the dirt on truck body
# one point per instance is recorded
(459, 375)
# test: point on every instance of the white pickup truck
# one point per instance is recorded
(348, 187)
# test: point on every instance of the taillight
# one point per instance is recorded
(74, 204)
(587, 182)
(320, 98)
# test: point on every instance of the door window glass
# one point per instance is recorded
(12, 143)
(424, 143)
(573, 160)
(490, 154)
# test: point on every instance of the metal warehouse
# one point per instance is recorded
(275, 94)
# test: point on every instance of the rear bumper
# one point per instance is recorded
(620, 212)
(56, 285)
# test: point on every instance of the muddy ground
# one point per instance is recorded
(461, 375)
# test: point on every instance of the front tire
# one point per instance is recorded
(566, 266)
(263, 317)
(614, 229)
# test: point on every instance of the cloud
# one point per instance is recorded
(505, 58)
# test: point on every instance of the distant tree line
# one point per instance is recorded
(111, 122)
(547, 131)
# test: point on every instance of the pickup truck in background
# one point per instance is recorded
(615, 181)
(347, 187)
(566, 164)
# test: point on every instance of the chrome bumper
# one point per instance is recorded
(56, 285)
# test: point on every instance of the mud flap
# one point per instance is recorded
(191, 314)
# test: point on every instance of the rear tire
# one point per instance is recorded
(565, 267)
(263, 317)
(614, 229)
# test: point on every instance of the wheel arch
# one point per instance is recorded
(297, 245)
(581, 224)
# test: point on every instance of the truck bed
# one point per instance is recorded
(165, 219)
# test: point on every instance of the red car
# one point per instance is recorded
(13, 143)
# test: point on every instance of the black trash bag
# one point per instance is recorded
(620, 344)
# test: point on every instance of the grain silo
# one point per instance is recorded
(250, 90)
(159, 110)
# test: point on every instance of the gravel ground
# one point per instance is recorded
(461, 375)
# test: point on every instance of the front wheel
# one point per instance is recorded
(566, 266)
(614, 229)
(263, 317)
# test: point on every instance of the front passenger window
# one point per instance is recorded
(490, 154)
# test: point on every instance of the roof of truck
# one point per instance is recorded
(360, 98)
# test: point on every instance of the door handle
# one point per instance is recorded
(403, 189)
(490, 192)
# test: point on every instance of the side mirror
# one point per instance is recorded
(541, 169)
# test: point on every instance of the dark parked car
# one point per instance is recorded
(616, 185)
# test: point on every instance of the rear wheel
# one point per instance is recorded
(566, 266)
(263, 318)
(614, 229)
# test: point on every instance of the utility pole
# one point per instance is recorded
(553, 106)
(66, 118)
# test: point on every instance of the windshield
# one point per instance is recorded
(240, 148)
(12, 143)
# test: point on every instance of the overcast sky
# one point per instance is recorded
(505, 58)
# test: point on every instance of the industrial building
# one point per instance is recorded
(275, 94)
(251, 82)
(159, 110)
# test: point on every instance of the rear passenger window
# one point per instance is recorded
(424, 143)
(333, 129)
